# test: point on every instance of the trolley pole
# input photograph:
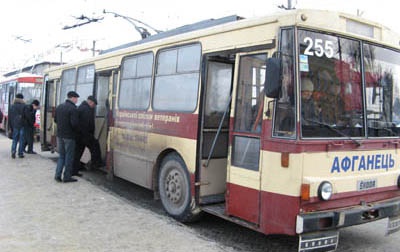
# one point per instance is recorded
(289, 4)
(94, 48)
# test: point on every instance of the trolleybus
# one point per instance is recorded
(286, 124)
(30, 85)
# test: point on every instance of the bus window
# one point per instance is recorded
(251, 83)
(177, 79)
(31, 91)
(330, 72)
(218, 91)
(284, 122)
(382, 91)
(67, 83)
(219, 82)
(85, 82)
(136, 82)
(102, 94)
(51, 90)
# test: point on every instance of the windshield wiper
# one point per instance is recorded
(335, 130)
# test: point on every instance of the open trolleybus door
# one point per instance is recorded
(215, 129)
(103, 86)
(244, 172)
(49, 103)
(231, 136)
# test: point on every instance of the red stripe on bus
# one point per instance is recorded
(276, 213)
(298, 146)
(242, 202)
(37, 80)
(27, 79)
(275, 144)
(186, 125)
(165, 123)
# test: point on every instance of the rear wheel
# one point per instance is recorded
(175, 193)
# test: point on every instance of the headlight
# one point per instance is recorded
(325, 190)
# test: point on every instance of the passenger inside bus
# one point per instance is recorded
(309, 111)
(330, 100)
(257, 110)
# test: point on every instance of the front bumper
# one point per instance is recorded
(332, 220)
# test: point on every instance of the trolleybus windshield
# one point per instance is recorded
(348, 88)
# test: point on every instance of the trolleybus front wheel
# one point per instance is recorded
(174, 187)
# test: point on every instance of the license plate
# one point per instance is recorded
(366, 184)
(319, 241)
(393, 225)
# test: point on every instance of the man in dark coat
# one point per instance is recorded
(67, 121)
(85, 137)
(30, 118)
(17, 123)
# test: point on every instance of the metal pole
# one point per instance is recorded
(94, 48)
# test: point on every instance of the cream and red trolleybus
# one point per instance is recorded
(286, 124)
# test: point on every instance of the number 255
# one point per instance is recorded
(320, 48)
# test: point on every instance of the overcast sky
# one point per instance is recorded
(32, 30)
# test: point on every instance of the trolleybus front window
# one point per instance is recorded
(382, 91)
(331, 94)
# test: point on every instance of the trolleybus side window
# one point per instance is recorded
(331, 83)
(67, 83)
(284, 123)
(177, 79)
(136, 82)
(382, 91)
(85, 82)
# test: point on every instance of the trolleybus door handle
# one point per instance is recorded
(334, 144)
(337, 143)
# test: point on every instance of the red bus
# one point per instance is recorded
(25, 83)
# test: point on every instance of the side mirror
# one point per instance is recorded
(273, 80)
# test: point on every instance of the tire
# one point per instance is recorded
(174, 187)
